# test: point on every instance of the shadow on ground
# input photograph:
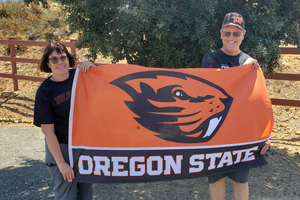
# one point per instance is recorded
(30, 180)
(23, 175)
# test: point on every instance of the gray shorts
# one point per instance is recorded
(62, 188)
(241, 176)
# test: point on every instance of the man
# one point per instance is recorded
(232, 34)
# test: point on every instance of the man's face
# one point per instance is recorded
(231, 44)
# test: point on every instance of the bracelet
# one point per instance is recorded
(61, 164)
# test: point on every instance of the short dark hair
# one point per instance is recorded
(59, 48)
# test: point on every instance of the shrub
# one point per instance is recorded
(13, 15)
(31, 21)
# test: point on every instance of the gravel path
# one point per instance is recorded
(23, 175)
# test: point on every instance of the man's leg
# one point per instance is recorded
(84, 191)
(240, 191)
(240, 184)
(217, 190)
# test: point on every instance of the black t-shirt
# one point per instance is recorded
(219, 59)
(52, 106)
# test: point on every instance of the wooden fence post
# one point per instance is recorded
(73, 49)
(13, 64)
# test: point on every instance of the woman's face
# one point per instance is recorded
(58, 63)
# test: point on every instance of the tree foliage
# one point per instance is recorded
(177, 33)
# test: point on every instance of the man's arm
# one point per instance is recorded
(265, 147)
(251, 61)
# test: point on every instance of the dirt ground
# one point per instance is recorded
(285, 138)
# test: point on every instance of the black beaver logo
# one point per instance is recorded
(179, 107)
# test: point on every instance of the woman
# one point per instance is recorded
(51, 113)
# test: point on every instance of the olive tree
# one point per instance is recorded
(177, 33)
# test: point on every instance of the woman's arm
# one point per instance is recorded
(53, 145)
(85, 66)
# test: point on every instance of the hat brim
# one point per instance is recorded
(232, 24)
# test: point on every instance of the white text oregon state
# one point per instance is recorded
(117, 166)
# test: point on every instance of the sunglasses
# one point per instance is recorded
(235, 34)
(54, 60)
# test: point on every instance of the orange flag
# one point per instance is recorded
(133, 123)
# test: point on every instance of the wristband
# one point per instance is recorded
(61, 164)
